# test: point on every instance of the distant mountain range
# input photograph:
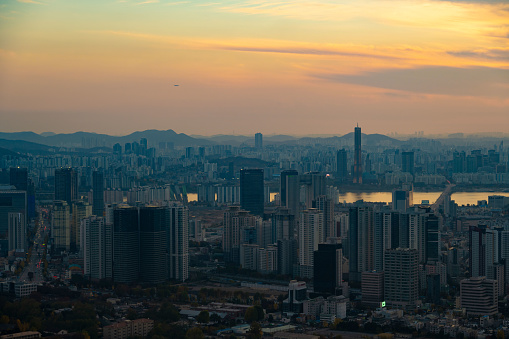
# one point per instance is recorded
(86, 142)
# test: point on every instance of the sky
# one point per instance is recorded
(241, 67)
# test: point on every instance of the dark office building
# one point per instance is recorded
(98, 193)
(432, 238)
(66, 185)
(11, 201)
(327, 273)
(341, 164)
(251, 191)
(289, 190)
(126, 246)
(407, 162)
(259, 141)
(153, 228)
(357, 160)
(19, 178)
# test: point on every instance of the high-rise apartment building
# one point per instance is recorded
(314, 186)
(341, 164)
(361, 241)
(18, 177)
(79, 211)
(96, 247)
(178, 242)
(401, 286)
(98, 193)
(357, 159)
(17, 230)
(61, 225)
(284, 225)
(153, 240)
(126, 246)
(289, 192)
(326, 206)
(310, 227)
(66, 185)
(251, 191)
(235, 221)
(407, 162)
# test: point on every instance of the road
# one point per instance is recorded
(35, 264)
(435, 207)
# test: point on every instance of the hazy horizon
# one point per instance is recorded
(241, 67)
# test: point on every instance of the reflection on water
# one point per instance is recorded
(461, 198)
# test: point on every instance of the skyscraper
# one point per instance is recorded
(96, 247)
(11, 201)
(61, 225)
(314, 186)
(66, 185)
(258, 141)
(153, 239)
(98, 193)
(326, 206)
(18, 177)
(328, 273)
(360, 241)
(289, 192)
(401, 286)
(407, 162)
(357, 160)
(311, 224)
(341, 164)
(235, 221)
(126, 247)
(178, 242)
(17, 230)
(251, 191)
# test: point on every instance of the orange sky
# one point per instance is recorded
(293, 67)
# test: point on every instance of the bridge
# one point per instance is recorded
(441, 198)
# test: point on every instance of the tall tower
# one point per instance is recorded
(178, 242)
(126, 246)
(66, 185)
(98, 193)
(251, 191)
(328, 273)
(357, 160)
(259, 141)
(17, 231)
(153, 227)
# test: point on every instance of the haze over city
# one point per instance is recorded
(242, 67)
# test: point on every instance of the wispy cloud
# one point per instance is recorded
(475, 81)
(31, 2)
(147, 2)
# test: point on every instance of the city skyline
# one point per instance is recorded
(205, 68)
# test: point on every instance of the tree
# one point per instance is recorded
(255, 331)
(215, 318)
(260, 312)
(251, 315)
(194, 333)
(203, 317)
(500, 334)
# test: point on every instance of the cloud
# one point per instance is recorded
(31, 2)
(491, 54)
(476, 81)
(147, 2)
